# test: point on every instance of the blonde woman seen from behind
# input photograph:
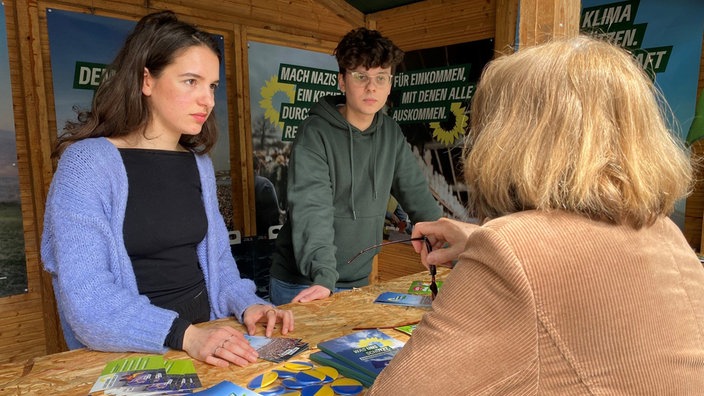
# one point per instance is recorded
(577, 282)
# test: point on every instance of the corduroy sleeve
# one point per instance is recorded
(481, 335)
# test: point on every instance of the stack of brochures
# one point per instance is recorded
(422, 287)
(418, 295)
(152, 375)
(147, 375)
(406, 329)
(277, 349)
(226, 388)
(405, 299)
(361, 355)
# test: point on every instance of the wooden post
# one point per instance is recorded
(543, 20)
(538, 21)
(506, 20)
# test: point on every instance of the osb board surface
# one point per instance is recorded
(74, 372)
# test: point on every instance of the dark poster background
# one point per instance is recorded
(445, 158)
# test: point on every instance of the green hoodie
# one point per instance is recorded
(339, 182)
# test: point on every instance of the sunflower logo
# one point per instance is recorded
(365, 342)
(272, 92)
(446, 132)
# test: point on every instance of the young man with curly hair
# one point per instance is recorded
(347, 159)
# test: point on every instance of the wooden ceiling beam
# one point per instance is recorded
(344, 10)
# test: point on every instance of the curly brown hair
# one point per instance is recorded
(368, 48)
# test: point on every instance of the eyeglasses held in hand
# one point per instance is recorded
(433, 270)
(381, 79)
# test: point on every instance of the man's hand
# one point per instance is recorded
(315, 292)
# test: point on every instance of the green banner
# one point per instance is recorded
(87, 75)
(615, 23)
(426, 95)
(310, 84)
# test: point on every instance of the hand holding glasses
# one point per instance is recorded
(433, 270)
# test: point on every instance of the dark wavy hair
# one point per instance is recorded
(368, 48)
(118, 107)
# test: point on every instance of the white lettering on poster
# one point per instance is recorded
(607, 16)
(90, 75)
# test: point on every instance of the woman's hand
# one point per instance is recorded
(447, 237)
(270, 315)
(218, 346)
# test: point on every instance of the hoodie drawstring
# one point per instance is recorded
(373, 162)
(372, 169)
(354, 211)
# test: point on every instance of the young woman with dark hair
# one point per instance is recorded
(133, 238)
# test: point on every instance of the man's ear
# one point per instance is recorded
(147, 83)
(341, 82)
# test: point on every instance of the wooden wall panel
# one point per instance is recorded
(397, 260)
(343, 10)
(543, 20)
(25, 312)
(435, 23)
(301, 17)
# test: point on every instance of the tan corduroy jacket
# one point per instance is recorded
(556, 304)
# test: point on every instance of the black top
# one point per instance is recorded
(164, 222)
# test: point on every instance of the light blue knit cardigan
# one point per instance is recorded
(84, 251)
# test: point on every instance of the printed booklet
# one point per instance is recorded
(408, 329)
(410, 300)
(344, 368)
(368, 351)
(422, 287)
(147, 375)
(277, 349)
(226, 388)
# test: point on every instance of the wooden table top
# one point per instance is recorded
(75, 372)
